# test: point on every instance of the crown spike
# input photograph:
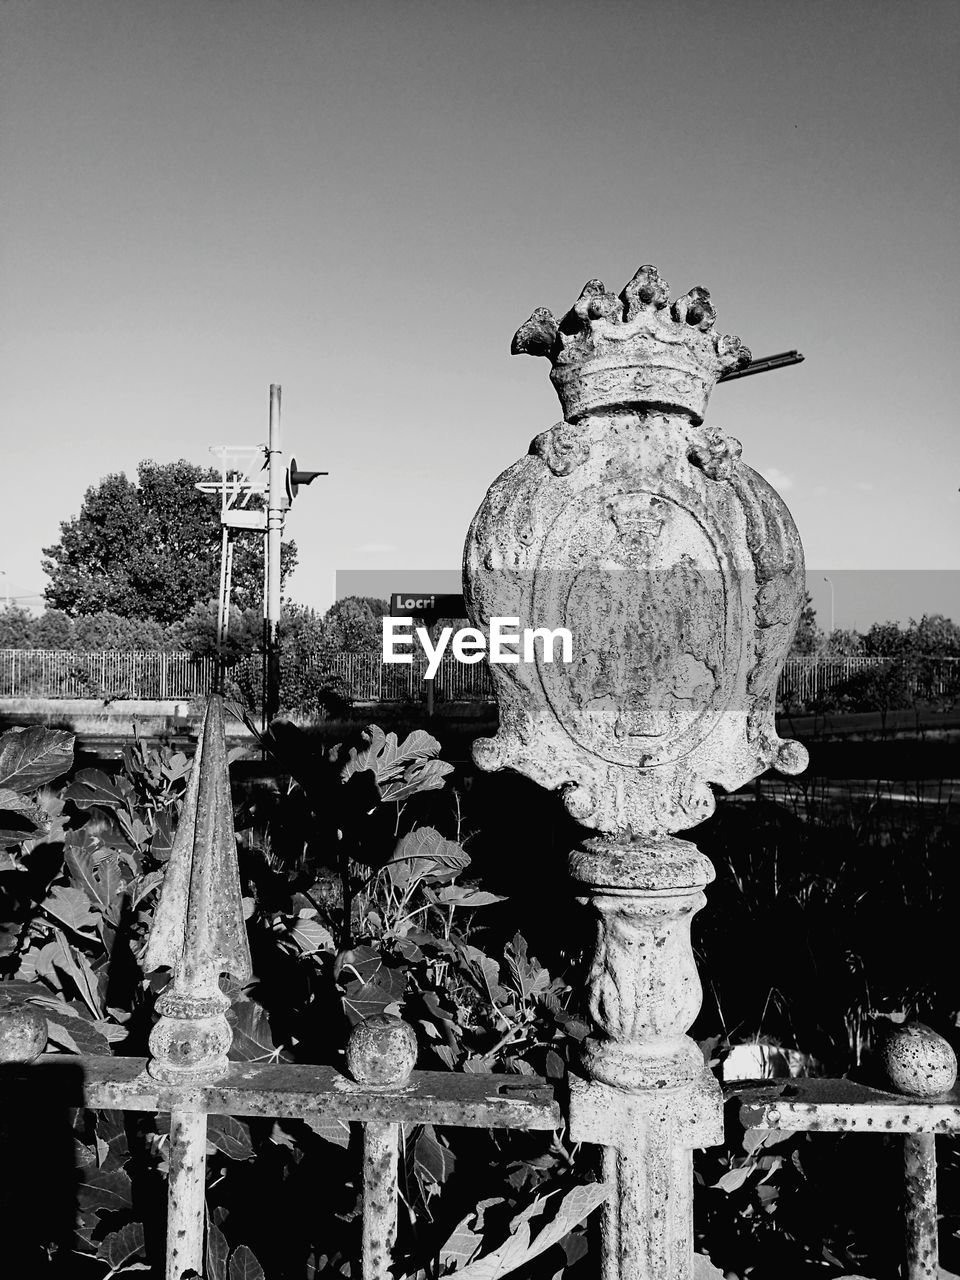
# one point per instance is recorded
(536, 336)
(732, 353)
(645, 292)
(594, 303)
(695, 309)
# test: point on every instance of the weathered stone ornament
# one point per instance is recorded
(677, 569)
(679, 574)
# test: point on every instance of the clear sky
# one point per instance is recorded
(362, 201)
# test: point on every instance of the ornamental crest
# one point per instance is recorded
(676, 569)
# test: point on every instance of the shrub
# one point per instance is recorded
(16, 628)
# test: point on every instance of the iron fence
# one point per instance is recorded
(103, 674)
(807, 680)
(151, 674)
(199, 934)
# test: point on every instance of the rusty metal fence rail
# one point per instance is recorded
(923, 1101)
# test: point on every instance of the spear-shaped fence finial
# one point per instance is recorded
(198, 930)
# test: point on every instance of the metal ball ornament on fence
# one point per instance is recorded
(918, 1061)
(23, 1033)
(382, 1051)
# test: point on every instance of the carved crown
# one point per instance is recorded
(633, 348)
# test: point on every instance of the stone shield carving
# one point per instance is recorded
(679, 574)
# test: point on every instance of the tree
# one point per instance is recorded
(844, 644)
(354, 625)
(198, 631)
(106, 630)
(53, 630)
(935, 636)
(16, 628)
(807, 638)
(151, 549)
(885, 640)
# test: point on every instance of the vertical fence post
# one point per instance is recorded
(381, 1150)
(185, 1193)
(381, 1052)
(679, 576)
(920, 1208)
(919, 1063)
(646, 1095)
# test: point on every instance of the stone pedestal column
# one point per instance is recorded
(644, 1094)
(677, 573)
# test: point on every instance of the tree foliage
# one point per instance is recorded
(807, 638)
(932, 636)
(16, 627)
(353, 625)
(151, 548)
(841, 643)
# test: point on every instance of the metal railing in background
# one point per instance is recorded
(104, 674)
(153, 674)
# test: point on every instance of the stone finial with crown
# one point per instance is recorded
(633, 348)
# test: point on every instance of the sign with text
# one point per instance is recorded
(426, 604)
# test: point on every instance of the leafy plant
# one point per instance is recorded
(361, 875)
(376, 915)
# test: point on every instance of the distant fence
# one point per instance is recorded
(805, 681)
(112, 674)
(371, 680)
(106, 673)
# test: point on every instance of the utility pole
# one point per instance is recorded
(238, 483)
(276, 497)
